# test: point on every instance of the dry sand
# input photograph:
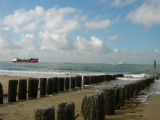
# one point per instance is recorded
(24, 110)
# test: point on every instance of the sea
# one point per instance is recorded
(132, 72)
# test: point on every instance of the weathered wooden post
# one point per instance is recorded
(78, 81)
(86, 80)
(45, 112)
(22, 89)
(33, 87)
(56, 84)
(121, 95)
(69, 111)
(100, 111)
(93, 107)
(95, 79)
(99, 79)
(67, 83)
(66, 111)
(60, 111)
(1, 94)
(43, 83)
(50, 84)
(12, 90)
(61, 84)
(91, 79)
(109, 101)
(117, 98)
(154, 64)
(107, 77)
(88, 107)
(72, 82)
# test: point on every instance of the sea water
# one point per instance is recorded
(132, 72)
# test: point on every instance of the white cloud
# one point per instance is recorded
(95, 45)
(157, 51)
(6, 41)
(114, 37)
(147, 14)
(61, 20)
(29, 42)
(5, 28)
(121, 3)
(118, 3)
(98, 24)
(55, 42)
(115, 50)
(55, 19)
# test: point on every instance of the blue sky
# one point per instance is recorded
(96, 31)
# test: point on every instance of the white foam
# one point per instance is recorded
(136, 75)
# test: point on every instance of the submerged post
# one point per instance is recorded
(154, 64)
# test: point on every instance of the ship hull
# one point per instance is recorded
(25, 62)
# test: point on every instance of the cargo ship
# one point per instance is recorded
(31, 60)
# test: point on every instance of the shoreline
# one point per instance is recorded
(133, 109)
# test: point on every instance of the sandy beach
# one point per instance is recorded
(24, 110)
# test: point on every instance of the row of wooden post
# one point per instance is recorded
(96, 106)
(114, 99)
(49, 86)
(94, 79)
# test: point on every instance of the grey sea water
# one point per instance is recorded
(49, 69)
(132, 72)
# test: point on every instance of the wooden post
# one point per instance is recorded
(56, 84)
(92, 107)
(1, 94)
(67, 83)
(109, 101)
(43, 82)
(33, 87)
(50, 84)
(86, 80)
(72, 82)
(154, 64)
(12, 90)
(61, 84)
(45, 112)
(66, 111)
(22, 89)
(78, 81)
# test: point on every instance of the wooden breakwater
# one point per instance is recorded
(28, 89)
(96, 106)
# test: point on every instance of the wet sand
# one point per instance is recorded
(24, 110)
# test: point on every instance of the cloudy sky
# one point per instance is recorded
(96, 31)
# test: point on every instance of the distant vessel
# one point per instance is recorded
(120, 63)
(31, 60)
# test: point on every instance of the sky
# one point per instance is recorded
(81, 31)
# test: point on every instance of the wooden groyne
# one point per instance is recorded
(104, 102)
(28, 89)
